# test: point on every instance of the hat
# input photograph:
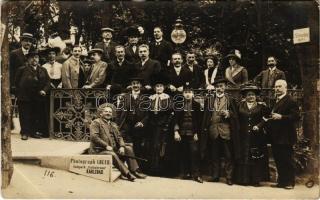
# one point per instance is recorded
(160, 79)
(247, 88)
(55, 49)
(107, 29)
(96, 50)
(32, 53)
(136, 79)
(87, 60)
(133, 32)
(220, 80)
(234, 54)
(26, 36)
(187, 87)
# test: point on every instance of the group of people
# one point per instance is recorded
(155, 110)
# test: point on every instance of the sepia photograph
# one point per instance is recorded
(143, 99)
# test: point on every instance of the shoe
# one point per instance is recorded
(214, 180)
(256, 185)
(139, 175)
(277, 185)
(288, 187)
(130, 177)
(24, 137)
(186, 176)
(229, 182)
(198, 179)
(37, 135)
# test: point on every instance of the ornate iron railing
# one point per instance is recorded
(72, 110)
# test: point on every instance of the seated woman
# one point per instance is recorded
(235, 73)
(106, 139)
(252, 168)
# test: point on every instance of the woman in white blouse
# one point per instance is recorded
(213, 70)
(53, 67)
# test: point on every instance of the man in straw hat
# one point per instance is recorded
(105, 138)
(220, 127)
(32, 84)
(107, 45)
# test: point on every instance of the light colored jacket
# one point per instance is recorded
(70, 73)
(98, 74)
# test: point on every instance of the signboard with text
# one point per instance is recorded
(301, 35)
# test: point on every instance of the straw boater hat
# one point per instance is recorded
(234, 54)
(107, 29)
(105, 105)
(27, 36)
(252, 88)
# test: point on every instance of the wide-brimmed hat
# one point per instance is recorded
(108, 29)
(32, 53)
(234, 54)
(219, 80)
(95, 50)
(133, 32)
(55, 49)
(27, 36)
(87, 60)
(247, 88)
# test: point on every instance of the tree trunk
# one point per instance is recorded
(6, 153)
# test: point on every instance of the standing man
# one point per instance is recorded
(186, 129)
(178, 75)
(281, 127)
(147, 69)
(195, 69)
(98, 73)
(106, 139)
(71, 68)
(107, 45)
(160, 49)
(18, 56)
(220, 129)
(32, 84)
(268, 77)
(132, 53)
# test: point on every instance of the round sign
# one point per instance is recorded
(178, 36)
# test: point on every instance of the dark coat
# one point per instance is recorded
(283, 131)
(207, 74)
(161, 52)
(30, 82)
(148, 71)
(181, 79)
(108, 52)
(196, 117)
(162, 118)
(132, 57)
(197, 76)
(234, 125)
(17, 59)
(262, 78)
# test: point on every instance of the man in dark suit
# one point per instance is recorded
(195, 69)
(160, 49)
(18, 57)
(178, 75)
(281, 127)
(220, 131)
(132, 53)
(147, 69)
(268, 77)
(32, 84)
(107, 45)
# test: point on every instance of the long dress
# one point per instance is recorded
(252, 167)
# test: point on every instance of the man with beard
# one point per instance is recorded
(71, 68)
(18, 56)
(147, 69)
(131, 51)
(186, 129)
(178, 75)
(98, 72)
(134, 116)
(268, 77)
(160, 49)
(281, 127)
(195, 69)
(32, 84)
(106, 139)
(220, 131)
(107, 45)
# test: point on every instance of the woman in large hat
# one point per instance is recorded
(235, 73)
(252, 167)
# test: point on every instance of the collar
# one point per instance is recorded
(74, 58)
(280, 97)
(158, 40)
(220, 95)
(272, 69)
(162, 96)
(106, 41)
(120, 61)
(24, 51)
(143, 62)
(134, 93)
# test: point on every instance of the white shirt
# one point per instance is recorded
(219, 95)
(135, 94)
(271, 70)
(54, 70)
(120, 61)
(158, 41)
(178, 70)
(280, 97)
(24, 51)
(251, 104)
(134, 48)
(144, 62)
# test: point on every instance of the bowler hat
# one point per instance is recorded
(136, 79)
(133, 32)
(107, 29)
(95, 50)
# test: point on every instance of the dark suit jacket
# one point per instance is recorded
(148, 71)
(262, 78)
(163, 117)
(197, 76)
(108, 52)
(30, 82)
(196, 117)
(161, 52)
(283, 131)
(17, 59)
(234, 125)
(178, 81)
(132, 57)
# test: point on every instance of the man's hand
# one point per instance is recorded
(276, 116)
(180, 89)
(108, 87)
(129, 87)
(225, 113)
(177, 136)
(210, 87)
(148, 87)
(172, 88)
(109, 148)
(42, 93)
(121, 150)
(255, 128)
(195, 137)
(86, 87)
(139, 125)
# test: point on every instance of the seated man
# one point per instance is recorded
(106, 139)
